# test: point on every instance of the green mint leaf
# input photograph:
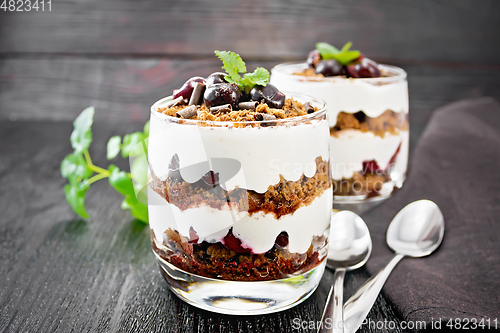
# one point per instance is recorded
(137, 209)
(74, 168)
(139, 171)
(260, 76)
(346, 47)
(81, 137)
(75, 196)
(232, 64)
(120, 181)
(130, 141)
(146, 129)
(113, 148)
(347, 57)
(327, 51)
(344, 56)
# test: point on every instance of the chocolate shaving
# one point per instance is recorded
(187, 112)
(195, 95)
(221, 108)
(308, 107)
(173, 102)
(266, 117)
(251, 105)
(295, 107)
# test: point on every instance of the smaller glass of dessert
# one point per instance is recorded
(368, 115)
(239, 195)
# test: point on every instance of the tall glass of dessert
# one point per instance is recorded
(239, 195)
(368, 117)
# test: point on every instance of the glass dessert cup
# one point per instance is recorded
(369, 130)
(240, 211)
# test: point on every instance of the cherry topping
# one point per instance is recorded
(282, 239)
(365, 68)
(270, 94)
(329, 68)
(187, 88)
(233, 243)
(222, 93)
(211, 178)
(214, 78)
(313, 58)
(370, 167)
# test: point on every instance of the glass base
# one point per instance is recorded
(240, 297)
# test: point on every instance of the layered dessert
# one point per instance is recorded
(368, 117)
(240, 183)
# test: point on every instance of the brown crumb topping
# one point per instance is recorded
(388, 122)
(280, 199)
(291, 108)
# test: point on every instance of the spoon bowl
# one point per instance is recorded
(417, 230)
(350, 244)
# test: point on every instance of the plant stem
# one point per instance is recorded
(92, 166)
(96, 178)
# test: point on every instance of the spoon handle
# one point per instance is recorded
(333, 319)
(358, 306)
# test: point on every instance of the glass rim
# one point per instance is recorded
(399, 74)
(321, 104)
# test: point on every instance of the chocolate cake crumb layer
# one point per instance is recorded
(361, 184)
(248, 111)
(214, 260)
(388, 122)
(280, 199)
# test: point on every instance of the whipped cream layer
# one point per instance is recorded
(251, 158)
(373, 96)
(257, 232)
(352, 147)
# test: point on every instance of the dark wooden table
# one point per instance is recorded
(59, 273)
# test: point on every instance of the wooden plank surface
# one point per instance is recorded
(448, 30)
(61, 274)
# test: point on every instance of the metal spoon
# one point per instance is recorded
(416, 231)
(350, 247)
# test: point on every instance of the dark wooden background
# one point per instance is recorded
(60, 273)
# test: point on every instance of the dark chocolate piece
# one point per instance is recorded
(187, 112)
(221, 108)
(251, 105)
(195, 96)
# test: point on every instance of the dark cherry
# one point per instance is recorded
(187, 88)
(313, 58)
(211, 178)
(270, 94)
(214, 78)
(370, 167)
(330, 68)
(282, 239)
(233, 243)
(222, 93)
(364, 68)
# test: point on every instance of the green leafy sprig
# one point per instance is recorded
(81, 172)
(344, 56)
(234, 66)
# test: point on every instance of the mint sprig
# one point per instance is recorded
(81, 172)
(343, 56)
(234, 66)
